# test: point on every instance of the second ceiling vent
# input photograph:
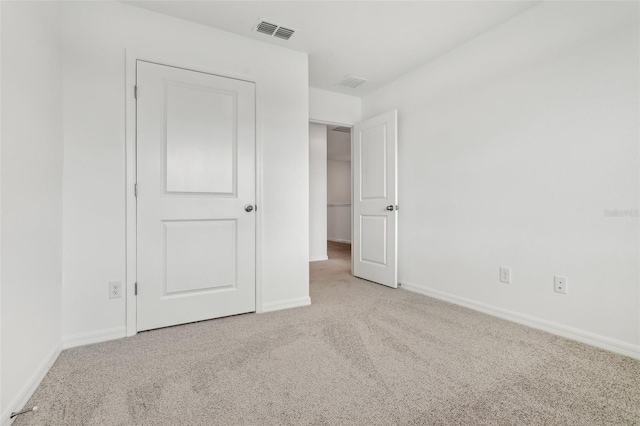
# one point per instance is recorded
(274, 30)
(352, 81)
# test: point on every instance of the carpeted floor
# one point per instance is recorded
(361, 354)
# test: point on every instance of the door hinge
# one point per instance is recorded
(135, 92)
(135, 189)
(135, 289)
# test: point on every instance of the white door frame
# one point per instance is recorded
(178, 60)
(350, 125)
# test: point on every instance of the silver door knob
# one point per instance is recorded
(248, 208)
(390, 208)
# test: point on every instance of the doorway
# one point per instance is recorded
(363, 210)
(339, 209)
(329, 191)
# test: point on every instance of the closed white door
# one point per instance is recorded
(196, 196)
(375, 216)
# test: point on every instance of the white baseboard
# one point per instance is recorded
(318, 258)
(338, 240)
(32, 384)
(93, 337)
(589, 338)
(286, 304)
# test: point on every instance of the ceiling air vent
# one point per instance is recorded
(352, 82)
(342, 129)
(283, 33)
(267, 28)
(274, 30)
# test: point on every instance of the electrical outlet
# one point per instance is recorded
(560, 284)
(115, 289)
(505, 275)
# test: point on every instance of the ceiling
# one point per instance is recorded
(376, 40)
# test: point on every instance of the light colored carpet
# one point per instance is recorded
(361, 354)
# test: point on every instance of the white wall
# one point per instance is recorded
(31, 197)
(336, 108)
(95, 35)
(339, 187)
(338, 182)
(511, 148)
(317, 192)
(339, 201)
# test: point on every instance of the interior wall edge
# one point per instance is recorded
(339, 240)
(286, 304)
(82, 339)
(31, 385)
(602, 342)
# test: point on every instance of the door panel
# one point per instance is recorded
(373, 149)
(200, 255)
(373, 235)
(375, 199)
(196, 173)
(194, 141)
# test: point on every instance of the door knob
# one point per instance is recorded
(248, 208)
(390, 208)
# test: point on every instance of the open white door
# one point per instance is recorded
(196, 196)
(375, 216)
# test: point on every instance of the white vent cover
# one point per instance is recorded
(265, 27)
(352, 81)
(283, 33)
(274, 30)
(342, 129)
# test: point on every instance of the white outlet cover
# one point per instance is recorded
(115, 289)
(505, 275)
(560, 284)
